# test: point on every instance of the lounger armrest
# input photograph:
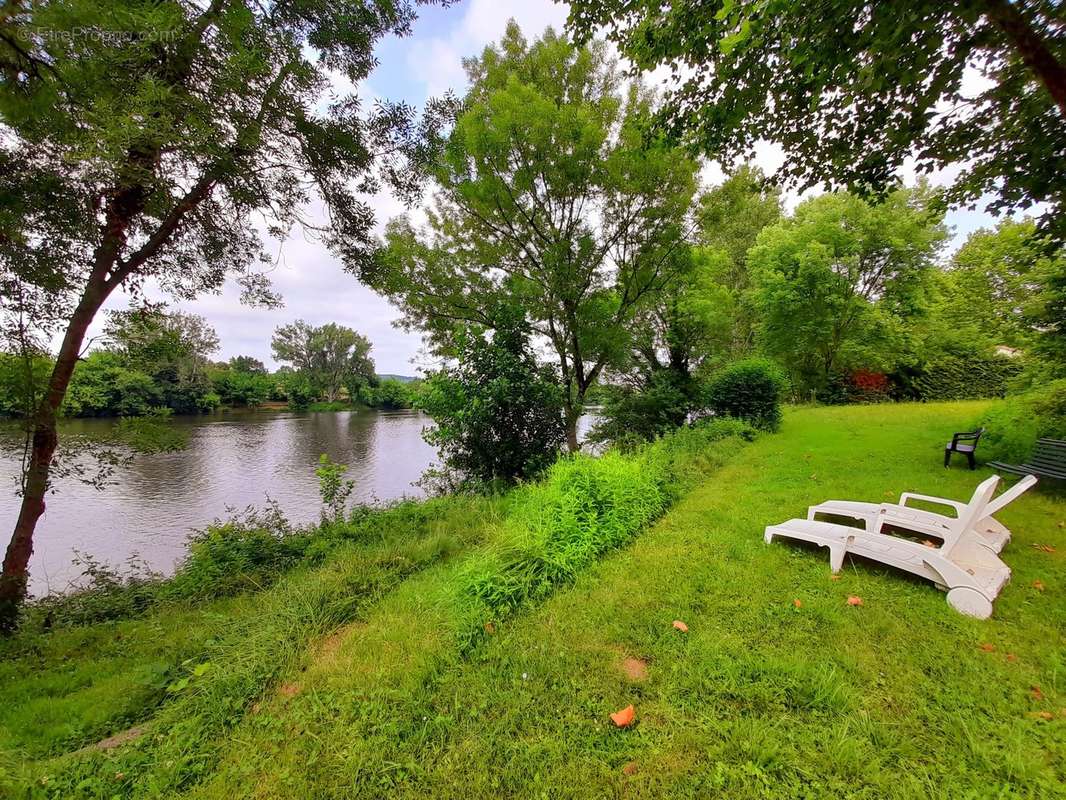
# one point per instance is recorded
(903, 498)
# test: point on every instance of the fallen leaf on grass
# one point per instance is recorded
(681, 626)
(1011, 657)
(630, 768)
(1041, 715)
(490, 628)
(797, 603)
(1035, 693)
(1045, 548)
(988, 647)
(854, 601)
(1038, 585)
(625, 717)
(834, 577)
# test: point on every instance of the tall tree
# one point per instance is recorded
(329, 356)
(550, 198)
(994, 280)
(154, 154)
(830, 282)
(852, 88)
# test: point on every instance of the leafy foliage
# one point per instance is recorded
(550, 200)
(749, 390)
(852, 92)
(1014, 425)
(965, 377)
(329, 357)
(333, 488)
(497, 412)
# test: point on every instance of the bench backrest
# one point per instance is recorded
(1052, 451)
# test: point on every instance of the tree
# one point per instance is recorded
(993, 279)
(832, 282)
(852, 90)
(247, 364)
(549, 200)
(329, 356)
(155, 155)
(498, 412)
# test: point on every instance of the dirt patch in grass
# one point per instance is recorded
(635, 669)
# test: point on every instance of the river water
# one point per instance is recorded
(233, 459)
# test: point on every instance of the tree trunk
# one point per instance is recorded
(1030, 47)
(15, 573)
(571, 414)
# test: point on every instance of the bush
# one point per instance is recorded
(498, 413)
(663, 404)
(964, 377)
(1013, 425)
(586, 506)
(750, 390)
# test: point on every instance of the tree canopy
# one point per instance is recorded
(550, 199)
(852, 89)
(329, 357)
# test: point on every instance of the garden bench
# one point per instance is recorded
(1047, 461)
(965, 443)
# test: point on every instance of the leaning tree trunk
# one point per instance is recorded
(571, 414)
(15, 573)
(1030, 47)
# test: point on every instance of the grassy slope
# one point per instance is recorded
(759, 699)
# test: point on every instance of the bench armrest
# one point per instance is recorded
(903, 498)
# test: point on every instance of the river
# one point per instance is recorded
(233, 459)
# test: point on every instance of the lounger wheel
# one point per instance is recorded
(970, 602)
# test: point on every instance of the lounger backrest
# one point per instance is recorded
(1009, 496)
(974, 511)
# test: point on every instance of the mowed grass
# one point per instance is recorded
(901, 697)
(390, 695)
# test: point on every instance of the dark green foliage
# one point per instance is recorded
(498, 413)
(633, 414)
(750, 390)
(853, 90)
(390, 394)
(329, 358)
(297, 389)
(236, 386)
(964, 377)
(1013, 425)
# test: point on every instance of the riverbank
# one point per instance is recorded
(403, 666)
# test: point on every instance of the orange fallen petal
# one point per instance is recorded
(681, 626)
(854, 601)
(490, 628)
(1041, 715)
(1035, 693)
(834, 577)
(988, 647)
(625, 717)
(797, 603)
(1038, 585)
(928, 543)
(1046, 548)
(630, 768)
(1011, 657)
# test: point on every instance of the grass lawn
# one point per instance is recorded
(763, 697)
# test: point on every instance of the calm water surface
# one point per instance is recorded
(233, 460)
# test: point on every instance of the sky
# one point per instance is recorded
(310, 279)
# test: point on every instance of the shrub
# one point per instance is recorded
(750, 390)
(663, 404)
(964, 377)
(1013, 425)
(498, 413)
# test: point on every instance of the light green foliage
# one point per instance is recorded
(22, 381)
(750, 390)
(853, 92)
(328, 357)
(833, 282)
(244, 381)
(103, 386)
(389, 394)
(551, 199)
(333, 488)
(995, 283)
(1016, 422)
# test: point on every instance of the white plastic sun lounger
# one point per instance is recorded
(963, 565)
(874, 516)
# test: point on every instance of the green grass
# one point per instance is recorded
(900, 697)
